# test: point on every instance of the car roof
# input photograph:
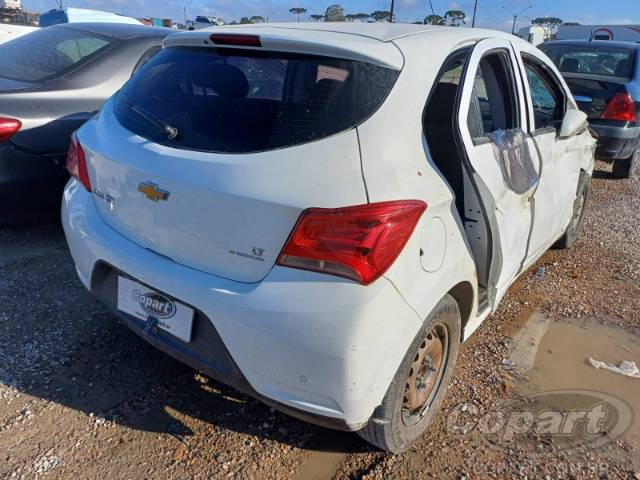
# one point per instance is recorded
(381, 31)
(118, 30)
(598, 43)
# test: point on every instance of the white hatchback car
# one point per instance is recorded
(319, 214)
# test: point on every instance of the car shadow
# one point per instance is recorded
(61, 345)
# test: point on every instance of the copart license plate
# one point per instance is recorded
(142, 302)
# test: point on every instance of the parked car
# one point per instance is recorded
(83, 15)
(51, 82)
(202, 21)
(605, 80)
(318, 215)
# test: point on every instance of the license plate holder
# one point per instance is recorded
(143, 302)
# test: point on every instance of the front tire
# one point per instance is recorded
(625, 167)
(420, 384)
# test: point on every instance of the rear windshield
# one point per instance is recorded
(592, 60)
(47, 53)
(234, 101)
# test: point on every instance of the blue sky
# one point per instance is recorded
(490, 13)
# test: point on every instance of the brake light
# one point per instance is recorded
(8, 128)
(77, 163)
(622, 107)
(359, 243)
(235, 39)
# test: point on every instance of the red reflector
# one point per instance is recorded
(236, 39)
(77, 163)
(359, 243)
(8, 128)
(622, 107)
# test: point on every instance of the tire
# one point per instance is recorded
(394, 427)
(625, 167)
(580, 205)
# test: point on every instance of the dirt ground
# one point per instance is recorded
(82, 397)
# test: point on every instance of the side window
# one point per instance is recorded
(494, 99)
(146, 56)
(548, 101)
(78, 48)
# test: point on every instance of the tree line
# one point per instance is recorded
(336, 13)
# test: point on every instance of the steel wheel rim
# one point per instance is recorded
(425, 375)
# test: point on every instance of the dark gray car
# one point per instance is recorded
(51, 82)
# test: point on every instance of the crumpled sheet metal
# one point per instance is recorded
(513, 154)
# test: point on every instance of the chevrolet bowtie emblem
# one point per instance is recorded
(152, 192)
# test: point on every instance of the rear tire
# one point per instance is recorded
(400, 421)
(580, 206)
(625, 167)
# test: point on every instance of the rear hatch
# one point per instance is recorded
(595, 71)
(209, 155)
(593, 93)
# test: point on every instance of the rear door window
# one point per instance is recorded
(49, 53)
(234, 101)
(494, 101)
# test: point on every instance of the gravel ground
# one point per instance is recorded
(81, 396)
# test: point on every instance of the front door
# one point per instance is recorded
(560, 158)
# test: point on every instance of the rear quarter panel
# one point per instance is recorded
(397, 165)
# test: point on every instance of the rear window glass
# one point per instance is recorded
(233, 101)
(592, 60)
(48, 53)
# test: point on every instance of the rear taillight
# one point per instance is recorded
(8, 128)
(359, 243)
(622, 107)
(234, 39)
(77, 163)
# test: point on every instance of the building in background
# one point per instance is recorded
(534, 34)
(11, 4)
(620, 33)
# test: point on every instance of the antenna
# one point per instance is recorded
(393, 5)
(186, 6)
(433, 12)
(515, 17)
(475, 10)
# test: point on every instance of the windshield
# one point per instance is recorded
(235, 101)
(48, 53)
(592, 60)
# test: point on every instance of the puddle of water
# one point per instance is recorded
(555, 356)
(328, 450)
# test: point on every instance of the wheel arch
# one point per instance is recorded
(464, 295)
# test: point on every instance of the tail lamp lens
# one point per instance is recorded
(622, 107)
(8, 128)
(77, 163)
(359, 243)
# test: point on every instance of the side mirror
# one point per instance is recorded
(574, 121)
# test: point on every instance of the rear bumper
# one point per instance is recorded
(29, 182)
(317, 347)
(616, 142)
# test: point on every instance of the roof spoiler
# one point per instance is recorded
(291, 40)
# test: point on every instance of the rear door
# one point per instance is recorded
(491, 105)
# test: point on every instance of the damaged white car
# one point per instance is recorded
(318, 215)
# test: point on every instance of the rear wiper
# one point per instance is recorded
(171, 132)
